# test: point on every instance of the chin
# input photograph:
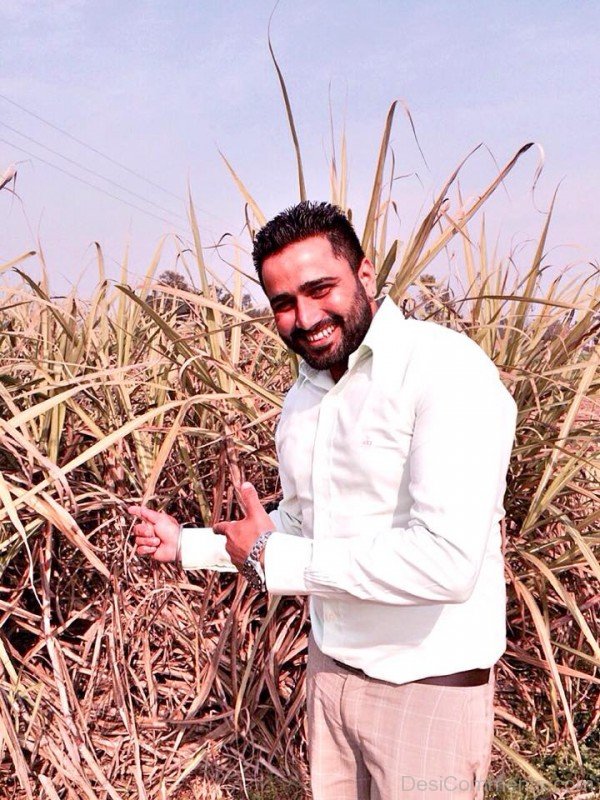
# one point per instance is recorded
(324, 361)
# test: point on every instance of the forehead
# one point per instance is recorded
(307, 260)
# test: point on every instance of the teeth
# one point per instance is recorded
(321, 334)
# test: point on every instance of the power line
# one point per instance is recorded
(89, 146)
(87, 183)
(92, 172)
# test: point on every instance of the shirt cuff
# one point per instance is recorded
(286, 559)
(201, 548)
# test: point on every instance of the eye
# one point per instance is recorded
(320, 291)
(281, 305)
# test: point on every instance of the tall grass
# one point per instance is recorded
(120, 678)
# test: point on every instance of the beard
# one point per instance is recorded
(353, 328)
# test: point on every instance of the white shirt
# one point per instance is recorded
(393, 481)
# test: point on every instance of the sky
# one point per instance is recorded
(163, 88)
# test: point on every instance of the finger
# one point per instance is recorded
(145, 551)
(145, 513)
(224, 528)
(143, 529)
(147, 541)
(250, 498)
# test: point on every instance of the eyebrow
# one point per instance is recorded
(305, 287)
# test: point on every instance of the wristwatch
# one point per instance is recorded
(252, 569)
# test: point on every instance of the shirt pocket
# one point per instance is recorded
(372, 472)
(380, 439)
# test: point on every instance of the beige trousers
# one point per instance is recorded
(373, 740)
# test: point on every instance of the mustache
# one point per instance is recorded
(299, 334)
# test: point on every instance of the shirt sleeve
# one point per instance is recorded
(459, 455)
(286, 551)
(201, 548)
(286, 545)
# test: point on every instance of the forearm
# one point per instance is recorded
(399, 566)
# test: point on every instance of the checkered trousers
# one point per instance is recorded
(373, 740)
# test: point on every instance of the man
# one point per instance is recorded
(393, 447)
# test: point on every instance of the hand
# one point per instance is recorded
(157, 535)
(242, 534)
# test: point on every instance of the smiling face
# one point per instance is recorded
(322, 308)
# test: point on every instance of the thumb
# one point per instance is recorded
(250, 499)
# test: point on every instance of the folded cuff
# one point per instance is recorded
(202, 548)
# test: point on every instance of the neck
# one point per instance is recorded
(338, 370)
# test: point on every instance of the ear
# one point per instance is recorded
(366, 275)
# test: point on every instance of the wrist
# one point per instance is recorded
(253, 568)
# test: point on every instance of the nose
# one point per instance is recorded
(308, 313)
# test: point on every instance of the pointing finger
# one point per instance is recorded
(145, 513)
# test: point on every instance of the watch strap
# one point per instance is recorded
(251, 569)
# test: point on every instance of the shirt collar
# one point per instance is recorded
(320, 377)
(377, 342)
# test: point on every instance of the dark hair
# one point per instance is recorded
(303, 221)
